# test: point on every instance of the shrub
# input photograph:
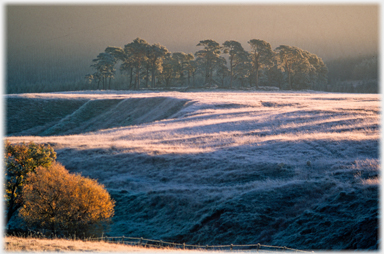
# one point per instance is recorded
(21, 159)
(59, 201)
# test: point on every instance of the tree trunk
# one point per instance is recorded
(138, 75)
(230, 84)
(11, 210)
(207, 71)
(211, 77)
(137, 80)
(147, 78)
(289, 79)
(9, 215)
(288, 68)
(130, 79)
(257, 70)
(153, 78)
(257, 78)
(182, 79)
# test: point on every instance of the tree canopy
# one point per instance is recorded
(236, 56)
(261, 56)
(226, 66)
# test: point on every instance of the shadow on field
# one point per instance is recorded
(209, 198)
(47, 117)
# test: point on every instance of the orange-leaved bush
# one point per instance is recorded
(58, 201)
(19, 160)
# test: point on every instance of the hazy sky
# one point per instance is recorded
(326, 30)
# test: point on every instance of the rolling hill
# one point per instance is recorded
(294, 169)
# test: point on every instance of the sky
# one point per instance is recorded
(67, 30)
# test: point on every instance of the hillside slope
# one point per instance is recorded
(46, 117)
(286, 169)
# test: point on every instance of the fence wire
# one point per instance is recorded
(150, 243)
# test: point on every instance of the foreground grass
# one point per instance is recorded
(18, 244)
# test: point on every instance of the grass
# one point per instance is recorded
(30, 244)
(290, 169)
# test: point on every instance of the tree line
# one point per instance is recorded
(224, 66)
(354, 74)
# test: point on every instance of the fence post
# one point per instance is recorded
(141, 240)
(122, 240)
(161, 243)
(183, 246)
(206, 247)
(231, 247)
(258, 246)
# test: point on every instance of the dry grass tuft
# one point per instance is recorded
(17, 244)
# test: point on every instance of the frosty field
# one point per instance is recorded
(291, 169)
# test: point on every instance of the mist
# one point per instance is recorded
(57, 43)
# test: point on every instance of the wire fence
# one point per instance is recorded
(150, 243)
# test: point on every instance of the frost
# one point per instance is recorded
(227, 167)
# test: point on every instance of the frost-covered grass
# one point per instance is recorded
(296, 169)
